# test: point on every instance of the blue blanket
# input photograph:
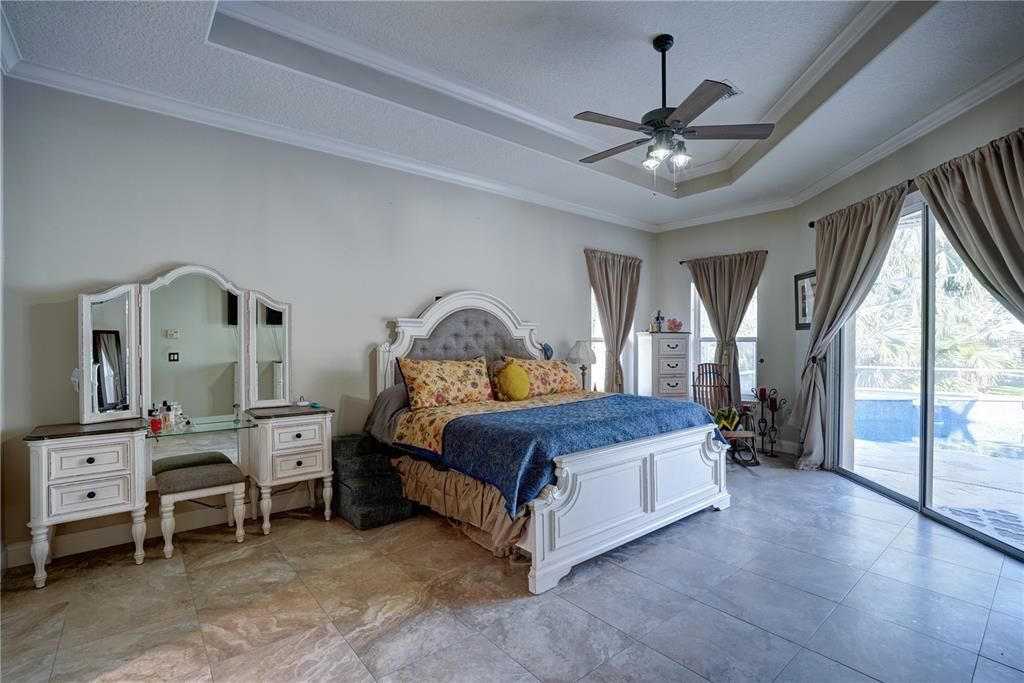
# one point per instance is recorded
(514, 450)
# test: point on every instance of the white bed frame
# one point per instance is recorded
(601, 498)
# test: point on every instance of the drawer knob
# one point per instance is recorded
(672, 346)
(673, 384)
(91, 494)
(673, 365)
(298, 463)
(90, 460)
(298, 435)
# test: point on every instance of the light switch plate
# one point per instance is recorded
(172, 357)
(172, 334)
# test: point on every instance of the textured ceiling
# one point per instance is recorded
(504, 79)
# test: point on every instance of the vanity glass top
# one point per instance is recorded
(204, 425)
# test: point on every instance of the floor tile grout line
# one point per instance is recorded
(499, 648)
(195, 610)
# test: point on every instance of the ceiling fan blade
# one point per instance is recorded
(702, 97)
(604, 119)
(614, 150)
(749, 131)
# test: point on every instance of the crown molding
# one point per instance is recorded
(275, 21)
(990, 87)
(848, 37)
(10, 55)
(1001, 80)
(168, 106)
(750, 209)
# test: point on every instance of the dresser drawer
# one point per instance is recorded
(672, 366)
(671, 386)
(298, 464)
(95, 494)
(286, 437)
(87, 461)
(672, 347)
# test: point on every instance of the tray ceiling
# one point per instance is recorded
(483, 94)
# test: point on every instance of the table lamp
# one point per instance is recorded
(582, 354)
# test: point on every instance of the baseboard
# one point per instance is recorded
(117, 534)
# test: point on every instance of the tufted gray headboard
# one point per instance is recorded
(458, 326)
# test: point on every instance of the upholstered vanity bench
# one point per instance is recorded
(198, 475)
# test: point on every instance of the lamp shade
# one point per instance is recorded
(581, 354)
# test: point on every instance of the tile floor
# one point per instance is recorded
(807, 577)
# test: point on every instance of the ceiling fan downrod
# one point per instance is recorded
(663, 44)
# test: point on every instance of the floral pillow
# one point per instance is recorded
(549, 376)
(433, 383)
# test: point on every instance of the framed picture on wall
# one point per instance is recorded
(804, 285)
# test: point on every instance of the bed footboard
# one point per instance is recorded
(605, 497)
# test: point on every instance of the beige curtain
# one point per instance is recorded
(616, 280)
(851, 245)
(979, 201)
(726, 285)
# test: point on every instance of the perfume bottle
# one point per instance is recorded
(155, 425)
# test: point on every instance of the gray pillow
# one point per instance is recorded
(382, 422)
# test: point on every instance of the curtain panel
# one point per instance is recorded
(850, 248)
(615, 279)
(726, 285)
(979, 201)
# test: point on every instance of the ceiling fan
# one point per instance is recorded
(669, 128)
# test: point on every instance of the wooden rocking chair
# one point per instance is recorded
(711, 390)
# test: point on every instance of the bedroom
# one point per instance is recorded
(336, 167)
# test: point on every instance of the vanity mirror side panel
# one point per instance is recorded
(109, 355)
(268, 352)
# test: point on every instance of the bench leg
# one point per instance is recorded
(328, 495)
(167, 525)
(229, 504)
(265, 504)
(239, 511)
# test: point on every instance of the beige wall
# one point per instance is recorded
(106, 194)
(790, 243)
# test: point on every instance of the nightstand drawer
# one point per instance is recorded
(672, 347)
(91, 460)
(286, 437)
(671, 385)
(298, 464)
(671, 366)
(95, 494)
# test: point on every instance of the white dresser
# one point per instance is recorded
(663, 364)
(290, 444)
(79, 471)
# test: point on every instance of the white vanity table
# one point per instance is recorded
(189, 336)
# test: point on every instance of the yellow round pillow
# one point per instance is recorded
(513, 382)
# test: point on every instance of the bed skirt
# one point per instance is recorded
(479, 507)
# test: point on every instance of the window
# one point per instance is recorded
(746, 341)
(596, 377)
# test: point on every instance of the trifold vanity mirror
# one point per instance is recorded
(190, 337)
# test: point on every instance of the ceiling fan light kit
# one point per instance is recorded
(668, 128)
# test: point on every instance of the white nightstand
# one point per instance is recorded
(79, 471)
(289, 445)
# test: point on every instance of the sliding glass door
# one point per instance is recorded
(930, 398)
(977, 465)
(882, 371)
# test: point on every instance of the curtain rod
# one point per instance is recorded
(911, 187)
(721, 255)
